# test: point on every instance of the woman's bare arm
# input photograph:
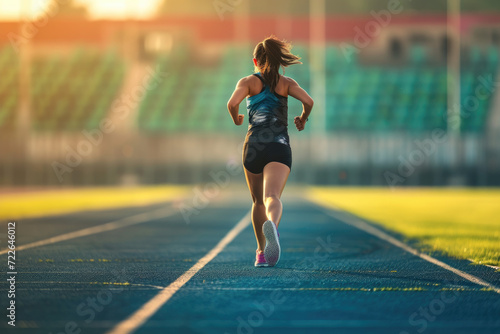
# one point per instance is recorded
(241, 91)
(295, 91)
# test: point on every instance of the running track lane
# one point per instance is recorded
(331, 276)
(386, 299)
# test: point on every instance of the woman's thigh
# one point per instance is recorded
(275, 176)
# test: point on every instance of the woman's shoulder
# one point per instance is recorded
(249, 78)
(288, 79)
(247, 81)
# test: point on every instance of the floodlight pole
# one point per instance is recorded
(23, 119)
(284, 28)
(24, 53)
(242, 22)
(453, 84)
(317, 28)
(317, 40)
(453, 66)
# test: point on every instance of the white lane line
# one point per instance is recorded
(346, 289)
(137, 319)
(86, 284)
(307, 325)
(487, 265)
(359, 224)
(113, 225)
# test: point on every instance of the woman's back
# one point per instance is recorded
(267, 113)
(256, 85)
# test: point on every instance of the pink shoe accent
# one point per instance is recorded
(260, 260)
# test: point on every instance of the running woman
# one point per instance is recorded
(267, 156)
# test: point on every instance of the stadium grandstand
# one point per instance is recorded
(136, 101)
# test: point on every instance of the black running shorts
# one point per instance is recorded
(257, 155)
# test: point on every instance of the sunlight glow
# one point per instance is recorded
(98, 9)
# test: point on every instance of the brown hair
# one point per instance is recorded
(272, 53)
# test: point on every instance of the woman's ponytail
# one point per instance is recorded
(272, 53)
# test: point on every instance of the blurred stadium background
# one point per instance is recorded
(98, 95)
(129, 92)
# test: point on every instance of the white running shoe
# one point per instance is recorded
(272, 251)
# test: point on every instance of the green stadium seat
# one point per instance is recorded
(359, 97)
(74, 92)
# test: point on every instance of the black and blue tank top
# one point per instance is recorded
(267, 116)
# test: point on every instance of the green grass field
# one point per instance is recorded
(51, 202)
(462, 223)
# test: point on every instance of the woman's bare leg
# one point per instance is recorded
(255, 184)
(275, 177)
